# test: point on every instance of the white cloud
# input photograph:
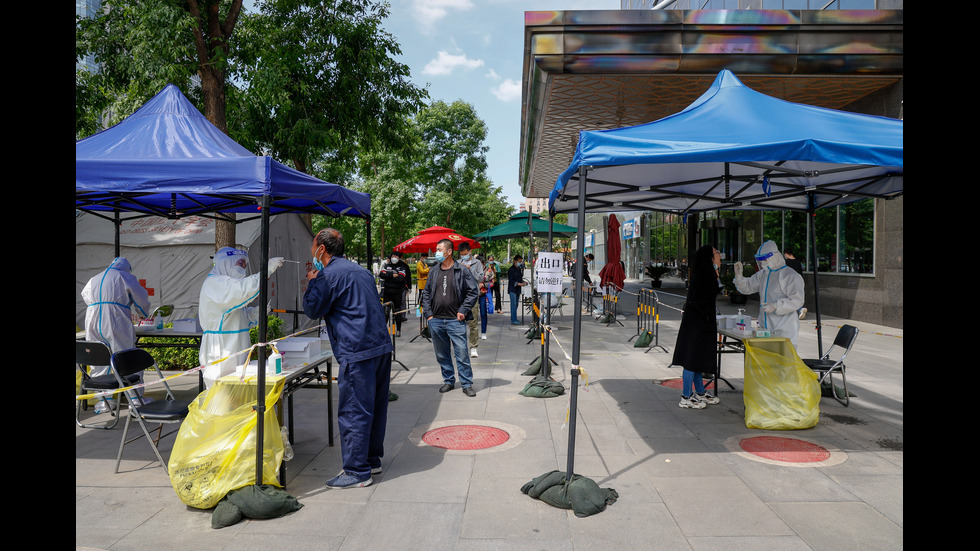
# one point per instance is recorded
(428, 12)
(445, 63)
(508, 90)
(493, 75)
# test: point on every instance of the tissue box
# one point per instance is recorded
(188, 325)
(761, 333)
(299, 347)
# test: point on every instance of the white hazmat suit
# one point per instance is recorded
(780, 291)
(222, 310)
(111, 296)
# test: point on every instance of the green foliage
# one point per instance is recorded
(322, 81)
(657, 272)
(184, 358)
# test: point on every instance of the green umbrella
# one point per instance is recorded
(520, 226)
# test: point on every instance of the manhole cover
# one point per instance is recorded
(789, 450)
(465, 437)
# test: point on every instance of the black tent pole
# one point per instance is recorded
(367, 223)
(577, 325)
(812, 215)
(263, 328)
(118, 222)
(545, 355)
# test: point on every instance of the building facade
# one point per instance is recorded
(597, 70)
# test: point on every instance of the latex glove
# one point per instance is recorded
(769, 307)
(738, 269)
(275, 263)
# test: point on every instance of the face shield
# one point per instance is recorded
(230, 262)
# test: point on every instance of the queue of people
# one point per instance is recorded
(455, 297)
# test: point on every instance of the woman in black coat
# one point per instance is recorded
(696, 340)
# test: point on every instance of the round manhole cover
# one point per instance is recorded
(465, 437)
(789, 450)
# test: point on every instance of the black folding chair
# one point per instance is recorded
(89, 353)
(826, 366)
(169, 411)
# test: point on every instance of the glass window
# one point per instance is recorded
(794, 236)
(826, 227)
(856, 221)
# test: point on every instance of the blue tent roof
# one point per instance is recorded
(168, 159)
(735, 148)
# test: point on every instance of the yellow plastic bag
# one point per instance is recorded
(214, 452)
(781, 392)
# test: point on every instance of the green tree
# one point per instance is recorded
(455, 190)
(322, 82)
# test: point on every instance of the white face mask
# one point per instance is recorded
(394, 260)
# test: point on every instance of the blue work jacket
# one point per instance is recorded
(344, 294)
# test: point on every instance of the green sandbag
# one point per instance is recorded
(543, 387)
(256, 501)
(532, 333)
(644, 340)
(582, 495)
(535, 367)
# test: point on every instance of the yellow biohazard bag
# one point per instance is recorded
(214, 452)
(781, 392)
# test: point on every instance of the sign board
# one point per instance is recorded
(548, 271)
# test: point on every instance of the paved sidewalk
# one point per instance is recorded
(683, 480)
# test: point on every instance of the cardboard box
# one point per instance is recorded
(188, 325)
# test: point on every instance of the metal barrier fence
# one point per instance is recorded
(647, 320)
(610, 305)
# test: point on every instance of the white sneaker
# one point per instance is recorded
(708, 398)
(483, 336)
(691, 402)
(104, 406)
(802, 313)
(473, 353)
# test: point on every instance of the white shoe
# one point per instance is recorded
(473, 353)
(691, 402)
(802, 313)
(709, 398)
(104, 406)
(483, 336)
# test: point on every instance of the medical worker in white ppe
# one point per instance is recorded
(112, 297)
(225, 317)
(780, 291)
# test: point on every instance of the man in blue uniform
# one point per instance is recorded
(344, 295)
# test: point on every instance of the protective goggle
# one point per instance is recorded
(763, 257)
(242, 261)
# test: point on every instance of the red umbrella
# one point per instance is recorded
(612, 273)
(427, 239)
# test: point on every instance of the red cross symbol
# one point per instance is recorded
(149, 290)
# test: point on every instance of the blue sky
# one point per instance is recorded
(473, 50)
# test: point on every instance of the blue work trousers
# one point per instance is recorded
(362, 412)
(449, 341)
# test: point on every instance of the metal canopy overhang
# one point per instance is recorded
(735, 186)
(595, 70)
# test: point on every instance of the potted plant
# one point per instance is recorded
(656, 274)
(728, 282)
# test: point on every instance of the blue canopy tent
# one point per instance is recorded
(734, 149)
(167, 159)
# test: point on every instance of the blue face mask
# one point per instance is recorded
(317, 264)
(439, 256)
